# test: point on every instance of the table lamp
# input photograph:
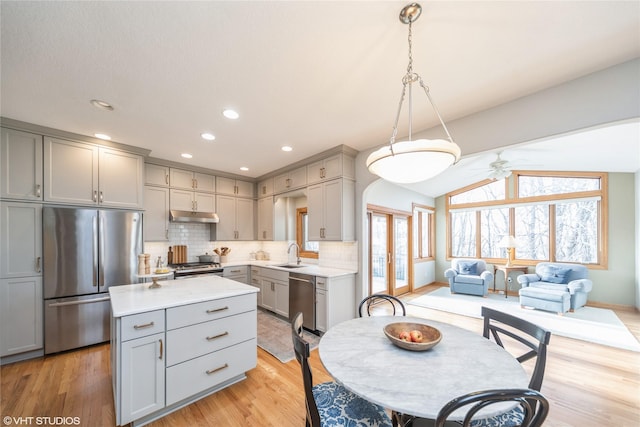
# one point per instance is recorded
(508, 242)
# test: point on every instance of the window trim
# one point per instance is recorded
(512, 200)
(300, 213)
(429, 211)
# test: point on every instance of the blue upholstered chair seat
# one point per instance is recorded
(467, 278)
(339, 407)
(511, 418)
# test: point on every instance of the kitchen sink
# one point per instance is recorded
(289, 265)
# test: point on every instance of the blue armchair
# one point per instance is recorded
(553, 276)
(469, 276)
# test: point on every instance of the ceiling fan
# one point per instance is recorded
(499, 169)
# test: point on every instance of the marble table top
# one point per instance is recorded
(360, 357)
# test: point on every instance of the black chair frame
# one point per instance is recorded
(492, 328)
(301, 350)
(371, 299)
(534, 405)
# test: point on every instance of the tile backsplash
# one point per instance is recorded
(197, 238)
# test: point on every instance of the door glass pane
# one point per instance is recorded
(401, 255)
(379, 251)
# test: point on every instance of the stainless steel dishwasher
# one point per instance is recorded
(302, 297)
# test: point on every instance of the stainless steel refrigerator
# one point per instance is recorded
(85, 252)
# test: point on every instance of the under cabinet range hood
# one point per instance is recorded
(190, 216)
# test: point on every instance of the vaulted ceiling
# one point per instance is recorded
(308, 74)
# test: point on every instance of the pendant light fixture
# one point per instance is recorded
(410, 161)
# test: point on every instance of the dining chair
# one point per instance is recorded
(330, 403)
(494, 327)
(395, 302)
(531, 410)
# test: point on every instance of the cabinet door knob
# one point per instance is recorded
(95, 195)
(101, 197)
(38, 190)
(38, 270)
(161, 349)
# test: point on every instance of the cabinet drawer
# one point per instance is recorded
(141, 325)
(196, 340)
(186, 315)
(208, 371)
(321, 283)
(272, 273)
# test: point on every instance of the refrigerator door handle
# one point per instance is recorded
(85, 301)
(94, 258)
(101, 250)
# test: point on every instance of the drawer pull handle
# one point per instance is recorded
(217, 336)
(161, 349)
(216, 310)
(213, 371)
(146, 325)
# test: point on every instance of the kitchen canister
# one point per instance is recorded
(141, 266)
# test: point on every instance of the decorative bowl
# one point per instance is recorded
(430, 335)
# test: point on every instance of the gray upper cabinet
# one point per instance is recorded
(21, 165)
(85, 174)
(156, 213)
(156, 175)
(336, 166)
(265, 188)
(233, 187)
(188, 180)
(291, 180)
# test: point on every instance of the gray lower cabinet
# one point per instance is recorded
(335, 300)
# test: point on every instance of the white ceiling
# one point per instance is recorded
(309, 74)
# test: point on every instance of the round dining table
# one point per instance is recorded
(359, 356)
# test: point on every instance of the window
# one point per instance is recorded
(308, 249)
(424, 246)
(554, 216)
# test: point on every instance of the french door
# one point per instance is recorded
(389, 251)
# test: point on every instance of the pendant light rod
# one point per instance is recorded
(413, 161)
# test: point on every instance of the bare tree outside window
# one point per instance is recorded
(553, 216)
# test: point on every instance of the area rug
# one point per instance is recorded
(596, 325)
(274, 336)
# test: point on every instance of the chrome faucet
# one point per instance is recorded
(297, 251)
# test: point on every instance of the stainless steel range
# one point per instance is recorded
(192, 269)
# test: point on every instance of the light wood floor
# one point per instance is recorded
(587, 385)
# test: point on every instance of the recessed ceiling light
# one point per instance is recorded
(287, 148)
(208, 136)
(244, 168)
(102, 136)
(103, 105)
(230, 114)
(186, 155)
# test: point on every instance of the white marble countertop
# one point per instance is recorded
(360, 357)
(312, 269)
(138, 298)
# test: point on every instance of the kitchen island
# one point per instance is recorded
(178, 343)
